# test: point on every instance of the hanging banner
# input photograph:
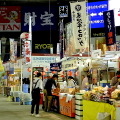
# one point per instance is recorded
(13, 50)
(109, 29)
(28, 52)
(69, 41)
(79, 18)
(10, 18)
(61, 38)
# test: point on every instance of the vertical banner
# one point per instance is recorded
(69, 41)
(27, 52)
(79, 21)
(13, 50)
(30, 28)
(0, 47)
(61, 38)
(110, 29)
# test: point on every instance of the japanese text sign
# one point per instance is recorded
(10, 18)
(109, 27)
(41, 18)
(28, 52)
(95, 11)
(79, 21)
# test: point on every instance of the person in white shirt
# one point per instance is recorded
(85, 83)
(37, 86)
(71, 82)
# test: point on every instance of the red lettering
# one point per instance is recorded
(110, 41)
(110, 34)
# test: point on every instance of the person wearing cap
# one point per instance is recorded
(114, 80)
(71, 82)
(37, 86)
(48, 91)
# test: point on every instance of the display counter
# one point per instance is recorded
(67, 107)
(91, 109)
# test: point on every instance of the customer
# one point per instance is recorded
(48, 91)
(37, 86)
(114, 80)
(71, 82)
(85, 83)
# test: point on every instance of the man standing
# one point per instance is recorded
(48, 91)
(37, 86)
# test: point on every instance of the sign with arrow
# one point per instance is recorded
(95, 11)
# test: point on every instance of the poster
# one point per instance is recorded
(10, 18)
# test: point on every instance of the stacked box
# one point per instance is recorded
(79, 106)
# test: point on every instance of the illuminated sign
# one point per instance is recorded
(95, 11)
(43, 46)
(115, 5)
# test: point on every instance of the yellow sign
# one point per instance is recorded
(43, 46)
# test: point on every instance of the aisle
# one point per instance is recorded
(14, 111)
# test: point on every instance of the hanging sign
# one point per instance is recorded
(55, 66)
(79, 21)
(109, 27)
(63, 11)
(69, 65)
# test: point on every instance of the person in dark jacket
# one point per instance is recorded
(48, 91)
(37, 86)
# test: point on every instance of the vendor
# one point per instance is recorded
(115, 79)
(85, 83)
(71, 82)
(117, 84)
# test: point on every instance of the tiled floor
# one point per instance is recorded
(15, 111)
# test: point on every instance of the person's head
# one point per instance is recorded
(55, 77)
(118, 73)
(38, 74)
(70, 77)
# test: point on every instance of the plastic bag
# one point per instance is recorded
(103, 116)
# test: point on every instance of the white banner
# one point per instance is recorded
(13, 50)
(80, 25)
(28, 52)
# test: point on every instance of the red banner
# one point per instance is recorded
(10, 18)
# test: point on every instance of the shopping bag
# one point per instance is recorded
(103, 116)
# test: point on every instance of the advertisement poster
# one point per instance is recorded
(110, 29)
(55, 66)
(80, 23)
(10, 18)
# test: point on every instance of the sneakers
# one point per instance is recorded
(37, 115)
(32, 114)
